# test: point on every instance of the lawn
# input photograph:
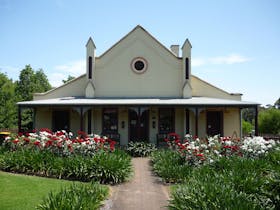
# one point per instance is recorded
(26, 192)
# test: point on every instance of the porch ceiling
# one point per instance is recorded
(187, 102)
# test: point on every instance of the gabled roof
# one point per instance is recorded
(133, 31)
(187, 41)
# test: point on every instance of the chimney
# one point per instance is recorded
(175, 49)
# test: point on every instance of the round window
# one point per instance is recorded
(139, 65)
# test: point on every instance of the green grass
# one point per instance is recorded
(26, 192)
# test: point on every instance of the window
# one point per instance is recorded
(110, 120)
(90, 67)
(187, 68)
(166, 120)
(139, 65)
(89, 120)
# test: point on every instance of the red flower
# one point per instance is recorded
(200, 155)
(59, 133)
(15, 141)
(37, 143)
(53, 138)
(59, 144)
(177, 141)
(82, 134)
(20, 134)
(182, 147)
(27, 140)
(46, 130)
(80, 140)
(49, 143)
(70, 147)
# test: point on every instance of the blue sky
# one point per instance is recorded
(235, 43)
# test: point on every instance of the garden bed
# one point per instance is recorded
(221, 173)
(57, 155)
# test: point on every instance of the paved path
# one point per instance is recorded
(143, 192)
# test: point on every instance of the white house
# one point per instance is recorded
(139, 90)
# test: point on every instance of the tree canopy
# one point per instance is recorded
(31, 81)
(68, 79)
(269, 121)
(7, 102)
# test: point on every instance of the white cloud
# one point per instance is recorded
(73, 68)
(55, 79)
(198, 61)
(219, 60)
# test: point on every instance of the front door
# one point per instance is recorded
(214, 123)
(139, 124)
(61, 121)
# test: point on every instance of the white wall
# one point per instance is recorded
(115, 78)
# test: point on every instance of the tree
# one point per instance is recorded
(41, 82)
(269, 121)
(30, 81)
(68, 79)
(277, 104)
(7, 102)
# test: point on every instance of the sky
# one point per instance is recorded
(235, 43)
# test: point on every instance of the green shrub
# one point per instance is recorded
(170, 166)
(113, 168)
(269, 121)
(103, 167)
(247, 127)
(77, 196)
(231, 183)
(140, 149)
(211, 194)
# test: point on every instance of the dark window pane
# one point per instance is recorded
(139, 65)
(166, 120)
(187, 68)
(110, 120)
(187, 121)
(90, 67)
(89, 121)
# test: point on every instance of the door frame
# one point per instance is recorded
(147, 126)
